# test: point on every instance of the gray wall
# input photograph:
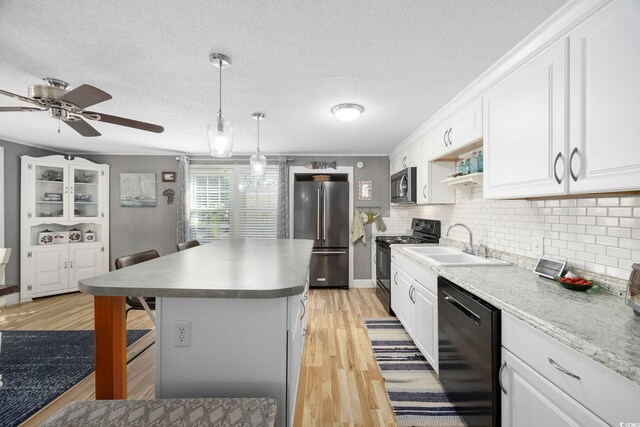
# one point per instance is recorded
(376, 169)
(12, 153)
(138, 229)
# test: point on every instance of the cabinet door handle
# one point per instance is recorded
(424, 191)
(304, 332)
(449, 136)
(304, 310)
(65, 265)
(395, 277)
(573, 153)
(563, 370)
(555, 168)
(504, 390)
(70, 264)
(445, 138)
(412, 293)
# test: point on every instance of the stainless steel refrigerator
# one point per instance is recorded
(321, 214)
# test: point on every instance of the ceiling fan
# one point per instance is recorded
(69, 105)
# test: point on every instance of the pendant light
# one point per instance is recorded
(258, 161)
(219, 131)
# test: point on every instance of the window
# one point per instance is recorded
(229, 202)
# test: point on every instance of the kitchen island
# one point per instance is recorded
(230, 321)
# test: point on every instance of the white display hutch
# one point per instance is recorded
(60, 193)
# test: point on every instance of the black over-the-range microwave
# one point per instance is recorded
(403, 186)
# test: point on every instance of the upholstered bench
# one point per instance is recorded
(167, 412)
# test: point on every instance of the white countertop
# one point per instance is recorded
(233, 268)
(596, 324)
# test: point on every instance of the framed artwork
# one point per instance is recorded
(168, 177)
(365, 190)
(138, 190)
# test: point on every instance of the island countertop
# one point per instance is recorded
(233, 268)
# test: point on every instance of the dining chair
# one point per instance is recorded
(188, 245)
(139, 303)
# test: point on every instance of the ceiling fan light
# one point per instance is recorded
(258, 163)
(347, 112)
(220, 135)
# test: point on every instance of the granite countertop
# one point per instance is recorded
(234, 268)
(596, 324)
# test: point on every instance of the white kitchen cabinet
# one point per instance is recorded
(525, 130)
(429, 189)
(414, 301)
(402, 299)
(605, 100)
(457, 132)
(565, 382)
(426, 324)
(58, 194)
(528, 399)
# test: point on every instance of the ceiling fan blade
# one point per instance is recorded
(24, 99)
(85, 96)
(4, 109)
(122, 121)
(82, 127)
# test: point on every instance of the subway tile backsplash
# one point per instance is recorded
(600, 235)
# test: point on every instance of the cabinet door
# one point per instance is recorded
(85, 192)
(400, 301)
(49, 189)
(439, 141)
(85, 261)
(605, 100)
(466, 126)
(422, 172)
(49, 268)
(524, 129)
(531, 400)
(426, 324)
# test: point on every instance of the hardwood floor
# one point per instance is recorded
(340, 384)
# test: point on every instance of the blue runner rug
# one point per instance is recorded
(415, 394)
(38, 366)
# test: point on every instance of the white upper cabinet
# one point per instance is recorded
(429, 189)
(524, 129)
(457, 132)
(605, 100)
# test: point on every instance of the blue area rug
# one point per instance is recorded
(38, 366)
(415, 394)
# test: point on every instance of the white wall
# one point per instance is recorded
(601, 235)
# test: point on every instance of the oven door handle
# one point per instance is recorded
(461, 307)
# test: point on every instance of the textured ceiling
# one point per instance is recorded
(292, 60)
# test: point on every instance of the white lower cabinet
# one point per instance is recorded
(414, 301)
(548, 383)
(528, 399)
(57, 268)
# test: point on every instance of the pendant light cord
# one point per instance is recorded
(258, 135)
(220, 99)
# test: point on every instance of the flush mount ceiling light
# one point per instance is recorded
(347, 112)
(219, 131)
(258, 161)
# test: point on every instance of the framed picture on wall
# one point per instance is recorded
(138, 190)
(365, 190)
(168, 177)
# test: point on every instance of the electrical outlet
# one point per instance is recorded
(537, 245)
(182, 333)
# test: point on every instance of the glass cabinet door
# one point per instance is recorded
(51, 191)
(86, 184)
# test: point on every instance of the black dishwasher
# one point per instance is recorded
(469, 348)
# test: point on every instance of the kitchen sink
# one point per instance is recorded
(448, 257)
(432, 250)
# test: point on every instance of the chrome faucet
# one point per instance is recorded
(466, 249)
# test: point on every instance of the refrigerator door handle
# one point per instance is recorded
(318, 216)
(329, 252)
(324, 215)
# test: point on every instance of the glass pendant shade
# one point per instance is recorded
(258, 164)
(220, 135)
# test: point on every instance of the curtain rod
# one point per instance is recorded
(231, 159)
